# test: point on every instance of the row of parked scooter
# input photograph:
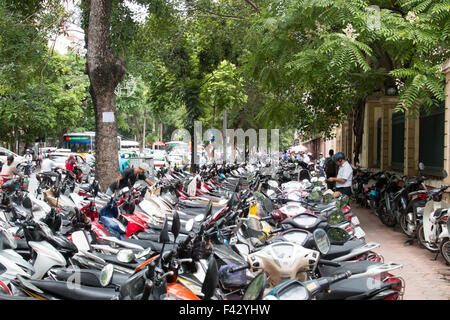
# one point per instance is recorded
(402, 201)
(228, 232)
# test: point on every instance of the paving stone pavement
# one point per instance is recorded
(425, 278)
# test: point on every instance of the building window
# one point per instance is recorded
(431, 140)
(398, 141)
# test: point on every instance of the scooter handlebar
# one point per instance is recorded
(329, 263)
(275, 231)
(236, 269)
(340, 277)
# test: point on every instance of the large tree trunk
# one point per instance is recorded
(105, 71)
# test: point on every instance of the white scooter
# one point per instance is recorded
(433, 221)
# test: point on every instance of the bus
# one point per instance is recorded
(82, 142)
(129, 145)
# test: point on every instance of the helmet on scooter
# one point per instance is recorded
(374, 195)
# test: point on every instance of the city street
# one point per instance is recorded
(425, 278)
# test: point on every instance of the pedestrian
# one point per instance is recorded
(9, 169)
(48, 165)
(344, 176)
(89, 157)
(321, 164)
(330, 169)
(307, 158)
(285, 155)
(129, 177)
(321, 160)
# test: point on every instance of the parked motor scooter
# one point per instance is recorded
(444, 241)
(434, 220)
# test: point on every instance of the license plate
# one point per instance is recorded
(359, 233)
(355, 221)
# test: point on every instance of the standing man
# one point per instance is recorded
(306, 157)
(321, 164)
(344, 176)
(330, 168)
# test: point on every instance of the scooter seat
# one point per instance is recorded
(113, 259)
(153, 245)
(322, 206)
(60, 290)
(354, 267)
(89, 277)
(340, 250)
(354, 289)
(155, 236)
(197, 211)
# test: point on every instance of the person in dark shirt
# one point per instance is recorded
(330, 168)
(128, 178)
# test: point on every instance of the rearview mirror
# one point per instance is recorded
(208, 209)
(106, 275)
(421, 166)
(322, 241)
(268, 206)
(211, 279)
(189, 225)
(255, 290)
(164, 235)
(199, 217)
(338, 235)
(125, 255)
(10, 240)
(175, 226)
(336, 217)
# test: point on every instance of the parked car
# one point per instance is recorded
(127, 154)
(4, 153)
(61, 157)
(160, 158)
(47, 150)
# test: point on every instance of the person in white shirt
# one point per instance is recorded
(9, 169)
(306, 158)
(28, 157)
(344, 176)
(48, 165)
(90, 158)
(321, 164)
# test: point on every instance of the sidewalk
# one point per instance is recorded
(425, 278)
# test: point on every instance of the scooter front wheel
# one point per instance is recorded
(386, 216)
(405, 225)
(421, 236)
(445, 250)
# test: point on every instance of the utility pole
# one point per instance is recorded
(224, 135)
(143, 131)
